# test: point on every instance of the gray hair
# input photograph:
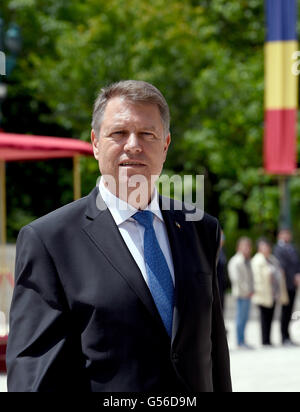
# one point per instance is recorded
(134, 91)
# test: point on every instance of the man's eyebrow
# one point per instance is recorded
(153, 128)
(125, 126)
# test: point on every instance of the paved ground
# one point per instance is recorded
(263, 369)
(259, 370)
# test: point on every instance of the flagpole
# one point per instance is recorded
(285, 220)
(2, 219)
(2, 204)
(76, 177)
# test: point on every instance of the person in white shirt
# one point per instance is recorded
(241, 277)
(269, 286)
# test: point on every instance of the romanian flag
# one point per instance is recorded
(281, 87)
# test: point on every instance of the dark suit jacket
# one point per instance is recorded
(83, 318)
(289, 260)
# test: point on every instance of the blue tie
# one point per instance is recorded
(159, 276)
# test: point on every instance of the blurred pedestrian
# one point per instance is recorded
(269, 286)
(289, 259)
(241, 277)
(222, 271)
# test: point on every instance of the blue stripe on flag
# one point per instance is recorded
(281, 20)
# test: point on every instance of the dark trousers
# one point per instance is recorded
(286, 313)
(266, 317)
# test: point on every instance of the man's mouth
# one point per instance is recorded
(131, 163)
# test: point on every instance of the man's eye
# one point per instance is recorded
(118, 133)
(147, 134)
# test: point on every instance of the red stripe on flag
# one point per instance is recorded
(280, 156)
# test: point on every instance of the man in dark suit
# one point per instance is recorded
(289, 260)
(118, 290)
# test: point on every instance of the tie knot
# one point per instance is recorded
(145, 218)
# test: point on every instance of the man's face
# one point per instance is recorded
(265, 249)
(245, 247)
(285, 235)
(131, 141)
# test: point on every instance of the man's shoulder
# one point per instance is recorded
(236, 259)
(278, 247)
(258, 258)
(281, 252)
(67, 215)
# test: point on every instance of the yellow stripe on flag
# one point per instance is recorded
(280, 83)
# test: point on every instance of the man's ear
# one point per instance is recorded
(167, 144)
(95, 142)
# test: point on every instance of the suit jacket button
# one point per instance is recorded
(175, 357)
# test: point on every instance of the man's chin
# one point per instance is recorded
(134, 188)
(126, 172)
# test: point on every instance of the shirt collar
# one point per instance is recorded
(121, 210)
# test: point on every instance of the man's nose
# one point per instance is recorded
(133, 144)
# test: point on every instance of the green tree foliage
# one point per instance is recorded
(205, 55)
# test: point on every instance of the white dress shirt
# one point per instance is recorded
(133, 233)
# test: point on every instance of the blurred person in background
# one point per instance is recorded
(241, 277)
(289, 260)
(269, 286)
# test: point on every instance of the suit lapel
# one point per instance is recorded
(104, 233)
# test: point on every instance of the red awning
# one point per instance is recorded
(15, 147)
